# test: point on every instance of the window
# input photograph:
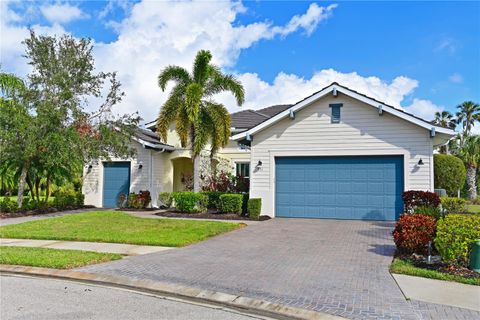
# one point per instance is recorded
(243, 169)
(336, 112)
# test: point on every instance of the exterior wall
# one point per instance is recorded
(147, 178)
(362, 131)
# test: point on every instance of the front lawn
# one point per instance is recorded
(118, 227)
(474, 208)
(406, 267)
(52, 258)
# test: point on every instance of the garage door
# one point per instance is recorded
(360, 188)
(116, 180)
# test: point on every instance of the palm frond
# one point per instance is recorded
(173, 73)
(201, 66)
(220, 82)
(168, 114)
(10, 84)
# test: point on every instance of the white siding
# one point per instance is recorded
(361, 132)
(147, 178)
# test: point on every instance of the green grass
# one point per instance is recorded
(474, 208)
(405, 267)
(52, 258)
(118, 227)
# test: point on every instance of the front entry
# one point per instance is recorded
(340, 187)
(116, 180)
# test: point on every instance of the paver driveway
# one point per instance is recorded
(338, 267)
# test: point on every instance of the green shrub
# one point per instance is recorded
(429, 211)
(254, 208)
(166, 199)
(453, 205)
(79, 199)
(190, 201)
(8, 205)
(449, 173)
(231, 203)
(65, 198)
(455, 236)
(245, 197)
(213, 199)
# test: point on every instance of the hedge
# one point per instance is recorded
(190, 201)
(413, 232)
(453, 205)
(449, 173)
(455, 236)
(213, 197)
(254, 208)
(231, 203)
(166, 199)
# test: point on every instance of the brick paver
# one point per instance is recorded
(338, 267)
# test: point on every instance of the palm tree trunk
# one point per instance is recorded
(21, 184)
(472, 182)
(196, 174)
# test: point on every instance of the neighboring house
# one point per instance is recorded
(335, 154)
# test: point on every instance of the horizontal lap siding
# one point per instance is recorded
(361, 129)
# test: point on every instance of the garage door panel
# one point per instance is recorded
(339, 187)
(116, 180)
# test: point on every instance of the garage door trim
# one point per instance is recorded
(332, 153)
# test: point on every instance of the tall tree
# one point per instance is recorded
(470, 154)
(198, 119)
(468, 112)
(44, 129)
(446, 120)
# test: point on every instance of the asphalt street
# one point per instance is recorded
(40, 298)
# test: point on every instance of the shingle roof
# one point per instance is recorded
(149, 136)
(247, 119)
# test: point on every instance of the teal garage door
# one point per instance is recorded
(358, 188)
(116, 180)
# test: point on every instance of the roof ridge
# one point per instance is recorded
(261, 114)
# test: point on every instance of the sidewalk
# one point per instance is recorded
(439, 292)
(17, 220)
(126, 249)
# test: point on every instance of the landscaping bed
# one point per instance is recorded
(50, 209)
(52, 258)
(118, 227)
(415, 265)
(210, 214)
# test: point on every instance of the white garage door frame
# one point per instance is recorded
(333, 153)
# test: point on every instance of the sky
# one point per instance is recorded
(420, 56)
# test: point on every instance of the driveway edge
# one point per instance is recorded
(254, 306)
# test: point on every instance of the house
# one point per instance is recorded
(335, 154)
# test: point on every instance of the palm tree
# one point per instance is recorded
(198, 119)
(470, 154)
(446, 120)
(468, 113)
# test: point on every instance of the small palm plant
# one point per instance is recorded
(470, 154)
(198, 119)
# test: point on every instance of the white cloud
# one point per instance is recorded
(446, 44)
(156, 34)
(476, 128)
(62, 13)
(456, 78)
(424, 109)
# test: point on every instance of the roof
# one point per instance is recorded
(349, 92)
(150, 139)
(247, 119)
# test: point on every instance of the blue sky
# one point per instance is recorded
(424, 56)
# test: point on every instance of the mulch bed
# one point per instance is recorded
(419, 262)
(6, 215)
(136, 210)
(207, 215)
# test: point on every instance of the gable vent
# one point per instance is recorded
(336, 115)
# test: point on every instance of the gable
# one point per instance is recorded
(334, 90)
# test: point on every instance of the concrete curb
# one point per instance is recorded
(254, 306)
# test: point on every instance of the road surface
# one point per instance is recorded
(41, 298)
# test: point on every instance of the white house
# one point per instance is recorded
(335, 154)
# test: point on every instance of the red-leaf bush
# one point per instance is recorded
(415, 198)
(413, 232)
